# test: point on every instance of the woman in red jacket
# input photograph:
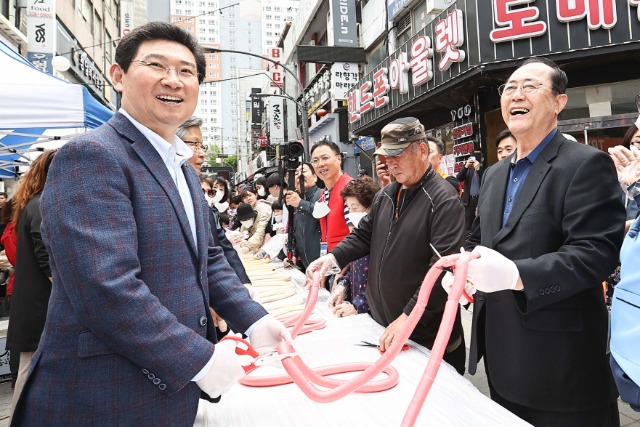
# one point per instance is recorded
(8, 240)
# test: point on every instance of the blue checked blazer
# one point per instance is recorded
(128, 324)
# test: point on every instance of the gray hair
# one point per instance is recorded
(191, 121)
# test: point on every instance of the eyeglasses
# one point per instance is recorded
(525, 88)
(197, 145)
(185, 73)
(323, 159)
(209, 193)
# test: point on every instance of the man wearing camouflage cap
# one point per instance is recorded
(419, 209)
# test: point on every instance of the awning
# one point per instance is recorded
(33, 102)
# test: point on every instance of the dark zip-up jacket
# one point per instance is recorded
(307, 228)
(399, 251)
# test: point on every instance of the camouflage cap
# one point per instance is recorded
(399, 134)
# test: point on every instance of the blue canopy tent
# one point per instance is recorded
(32, 104)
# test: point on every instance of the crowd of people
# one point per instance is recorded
(131, 281)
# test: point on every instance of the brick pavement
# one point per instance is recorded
(628, 417)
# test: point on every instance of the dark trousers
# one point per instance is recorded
(470, 212)
(457, 357)
(604, 416)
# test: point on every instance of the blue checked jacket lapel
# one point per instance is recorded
(158, 170)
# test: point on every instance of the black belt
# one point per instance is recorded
(475, 197)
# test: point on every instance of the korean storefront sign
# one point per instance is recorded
(275, 70)
(462, 135)
(498, 30)
(276, 123)
(41, 33)
(343, 76)
(342, 26)
(416, 58)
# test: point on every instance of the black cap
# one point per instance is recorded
(245, 211)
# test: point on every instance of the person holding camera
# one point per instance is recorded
(306, 227)
(471, 176)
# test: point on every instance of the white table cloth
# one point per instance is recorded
(452, 401)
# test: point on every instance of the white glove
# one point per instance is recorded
(338, 293)
(326, 265)
(267, 334)
(447, 284)
(492, 271)
(225, 371)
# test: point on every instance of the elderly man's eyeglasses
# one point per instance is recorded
(185, 73)
(525, 88)
(197, 145)
(209, 192)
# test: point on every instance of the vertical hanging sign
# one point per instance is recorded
(276, 123)
(41, 33)
(126, 17)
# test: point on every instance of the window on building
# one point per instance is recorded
(278, 9)
(269, 25)
(108, 44)
(419, 17)
(97, 30)
(267, 8)
(86, 10)
(268, 17)
(376, 56)
(403, 27)
(269, 42)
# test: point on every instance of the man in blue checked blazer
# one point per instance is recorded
(129, 338)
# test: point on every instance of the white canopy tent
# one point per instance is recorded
(36, 107)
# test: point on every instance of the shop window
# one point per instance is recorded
(601, 100)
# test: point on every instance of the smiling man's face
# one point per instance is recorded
(158, 100)
(532, 115)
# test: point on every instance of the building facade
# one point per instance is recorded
(447, 72)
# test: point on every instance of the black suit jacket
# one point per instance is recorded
(545, 347)
(220, 239)
(465, 175)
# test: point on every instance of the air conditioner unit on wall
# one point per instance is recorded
(438, 6)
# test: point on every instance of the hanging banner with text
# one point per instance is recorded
(126, 17)
(41, 33)
(276, 122)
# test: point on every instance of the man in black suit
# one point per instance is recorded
(550, 223)
(471, 175)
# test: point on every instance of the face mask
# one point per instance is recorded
(218, 196)
(247, 223)
(231, 212)
(261, 192)
(210, 200)
(277, 218)
(355, 217)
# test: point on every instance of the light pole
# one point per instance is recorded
(302, 104)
